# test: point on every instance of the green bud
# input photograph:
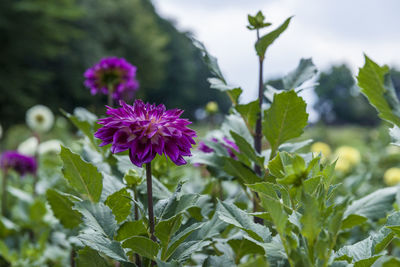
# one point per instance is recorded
(212, 107)
(257, 21)
(132, 178)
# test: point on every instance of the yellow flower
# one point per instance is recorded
(342, 165)
(392, 176)
(323, 148)
(348, 157)
(212, 107)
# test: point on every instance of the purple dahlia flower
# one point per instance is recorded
(229, 146)
(145, 130)
(114, 74)
(18, 162)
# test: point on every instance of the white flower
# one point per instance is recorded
(39, 118)
(51, 146)
(29, 146)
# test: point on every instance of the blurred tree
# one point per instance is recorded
(339, 100)
(45, 47)
(32, 34)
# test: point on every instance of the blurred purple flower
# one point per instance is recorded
(145, 130)
(112, 73)
(229, 145)
(18, 162)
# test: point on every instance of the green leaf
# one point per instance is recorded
(81, 175)
(97, 217)
(120, 204)
(249, 112)
(210, 60)
(83, 120)
(285, 119)
(90, 257)
(304, 72)
(208, 229)
(234, 95)
(243, 247)
(103, 245)
(310, 219)
(100, 229)
(237, 169)
(165, 230)
(177, 203)
(195, 237)
(179, 238)
(246, 149)
(395, 135)
(129, 229)
(264, 42)
(222, 260)
(367, 262)
(272, 203)
(375, 205)
(217, 83)
(291, 169)
(7, 254)
(231, 214)
(236, 124)
(143, 246)
(61, 205)
(387, 261)
(353, 220)
(168, 264)
(293, 147)
(358, 251)
(270, 190)
(258, 261)
(373, 80)
(37, 211)
(111, 184)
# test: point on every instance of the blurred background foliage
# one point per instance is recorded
(45, 46)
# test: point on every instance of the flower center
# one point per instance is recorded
(110, 78)
(39, 118)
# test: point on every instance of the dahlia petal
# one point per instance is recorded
(146, 130)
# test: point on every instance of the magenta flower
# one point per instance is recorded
(229, 146)
(145, 130)
(18, 162)
(114, 74)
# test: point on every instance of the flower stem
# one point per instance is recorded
(110, 101)
(258, 130)
(150, 200)
(137, 257)
(4, 194)
(72, 256)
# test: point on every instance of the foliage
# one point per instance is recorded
(89, 207)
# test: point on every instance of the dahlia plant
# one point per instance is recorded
(146, 130)
(282, 203)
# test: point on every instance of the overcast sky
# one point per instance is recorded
(328, 31)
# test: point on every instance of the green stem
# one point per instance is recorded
(72, 256)
(4, 194)
(150, 203)
(136, 211)
(110, 101)
(150, 200)
(258, 130)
